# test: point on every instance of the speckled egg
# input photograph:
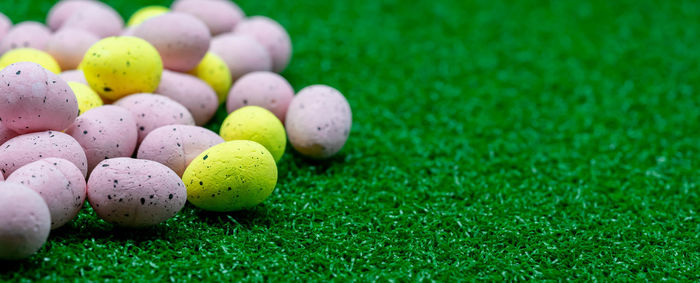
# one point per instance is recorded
(135, 193)
(25, 221)
(60, 184)
(256, 124)
(68, 46)
(146, 13)
(2, 178)
(265, 89)
(73, 76)
(219, 16)
(318, 121)
(214, 71)
(27, 148)
(25, 35)
(242, 54)
(6, 134)
(5, 25)
(100, 20)
(64, 9)
(177, 145)
(119, 66)
(30, 55)
(196, 95)
(87, 98)
(105, 132)
(231, 176)
(271, 35)
(181, 39)
(154, 111)
(34, 99)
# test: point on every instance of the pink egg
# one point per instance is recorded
(5, 25)
(241, 53)
(135, 193)
(6, 134)
(196, 95)
(68, 46)
(265, 89)
(101, 20)
(177, 145)
(60, 184)
(25, 34)
(34, 99)
(25, 149)
(154, 111)
(73, 76)
(63, 10)
(105, 132)
(219, 16)
(128, 31)
(318, 121)
(181, 39)
(272, 35)
(25, 221)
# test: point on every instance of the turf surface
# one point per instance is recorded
(492, 140)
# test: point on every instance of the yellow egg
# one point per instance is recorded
(214, 72)
(146, 13)
(256, 124)
(118, 66)
(87, 98)
(30, 55)
(231, 176)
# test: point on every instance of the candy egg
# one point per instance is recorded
(6, 134)
(154, 111)
(30, 55)
(242, 54)
(35, 99)
(231, 176)
(135, 193)
(118, 66)
(63, 10)
(68, 46)
(60, 184)
(265, 89)
(146, 13)
(100, 20)
(105, 132)
(25, 35)
(87, 98)
(176, 146)
(214, 71)
(256, 124)
(219, 16)
(5, 25)
(181, 39)
(196, 95)
(25, 149)
(25, 221)
(2, 178)
(271, 35)
(318, 121)
(73, 76)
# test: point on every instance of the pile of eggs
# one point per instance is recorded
(91, 110)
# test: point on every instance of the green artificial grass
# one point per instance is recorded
(498, 140)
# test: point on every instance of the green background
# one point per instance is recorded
(492, 140)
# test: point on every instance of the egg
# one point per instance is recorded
(60, 184)
(5, 25)
(256, 124)
(146, 13)
(87, 98)
(271, 35)
(231, 176)
(176, 146)
(154, 111)
(2, 178)
(35, 99)
(30, 55)
(73, 76)
(318, 121)
(25, 221)
(181, 39)
(196, 95)
(265, 89)
(100, 20)
(135, 193)
(241, 53)
(64, 9)
(25, 35)
(105, 132)
(27, 148)
(214, 71)
(118, 66)
(68, 46)
(219, 16)
(6, 134)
